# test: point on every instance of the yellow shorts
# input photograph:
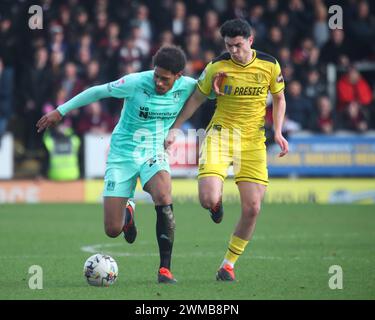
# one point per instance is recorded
(221, 149)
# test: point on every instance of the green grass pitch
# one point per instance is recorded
(288, 258)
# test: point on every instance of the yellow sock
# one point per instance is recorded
(235, 248)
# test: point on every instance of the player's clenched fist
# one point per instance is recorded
(48, 120)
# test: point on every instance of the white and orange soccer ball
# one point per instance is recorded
(100, 270)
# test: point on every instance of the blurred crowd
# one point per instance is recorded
(89, 42)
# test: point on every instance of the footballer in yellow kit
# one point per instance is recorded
(236, 132)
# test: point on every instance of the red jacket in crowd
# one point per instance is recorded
(348, 92)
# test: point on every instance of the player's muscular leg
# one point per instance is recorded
(210, 191)
(160, 188)
(251, 195)
(114, 208)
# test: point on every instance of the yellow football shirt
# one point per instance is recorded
(243, 105)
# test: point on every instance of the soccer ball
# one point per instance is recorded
(100, 270)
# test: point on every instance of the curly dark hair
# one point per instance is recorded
(236, 27)
(170, 58)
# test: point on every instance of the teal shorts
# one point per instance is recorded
(121, 175)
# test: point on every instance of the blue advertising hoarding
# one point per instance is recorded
(320, 155)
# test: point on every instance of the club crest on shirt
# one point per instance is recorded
(259, 77)
(176, 96)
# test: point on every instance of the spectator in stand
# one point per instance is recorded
(92, 74)
(109, 48)
(314, 85)
(129, 53)
(193, 25)
(111, 39)
(211, 24)
(142, 21)
(8, 41)
(300, 17)
(320, 27)
(237, 9)
(36, 90)
(271, 9)
(323, 120)
(95, 120)
(288, 72)
(65, 21)
(256, 20)
(299, 107)
(81, 24)
(85, 42)
(353, 87)
(198, 7)
(101, 23)
(284, 24)
(274, 41)
(101, 5)
(211, 32)
(305, 55)
(6, 96)
(362, 28)
(57, 42)
(208, 56)
(337, 50)
(83, 59)
(178, 20)
(284, 56)
(139, 41)
(165, 38)
(354, 118)
(56, 67)
(194, 54)
(71, 82)
(220, 6)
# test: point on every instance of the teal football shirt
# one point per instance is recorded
(146, 115)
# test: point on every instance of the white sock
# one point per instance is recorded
(225, 261)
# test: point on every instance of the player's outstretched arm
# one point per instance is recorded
(84, 98)
(278, 113)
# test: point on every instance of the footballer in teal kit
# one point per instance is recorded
(137, 140)
(152, 101)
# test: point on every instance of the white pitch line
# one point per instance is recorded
(104, 249)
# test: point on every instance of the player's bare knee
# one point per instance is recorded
(208, 201)
(162, 199)
(251, 210)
